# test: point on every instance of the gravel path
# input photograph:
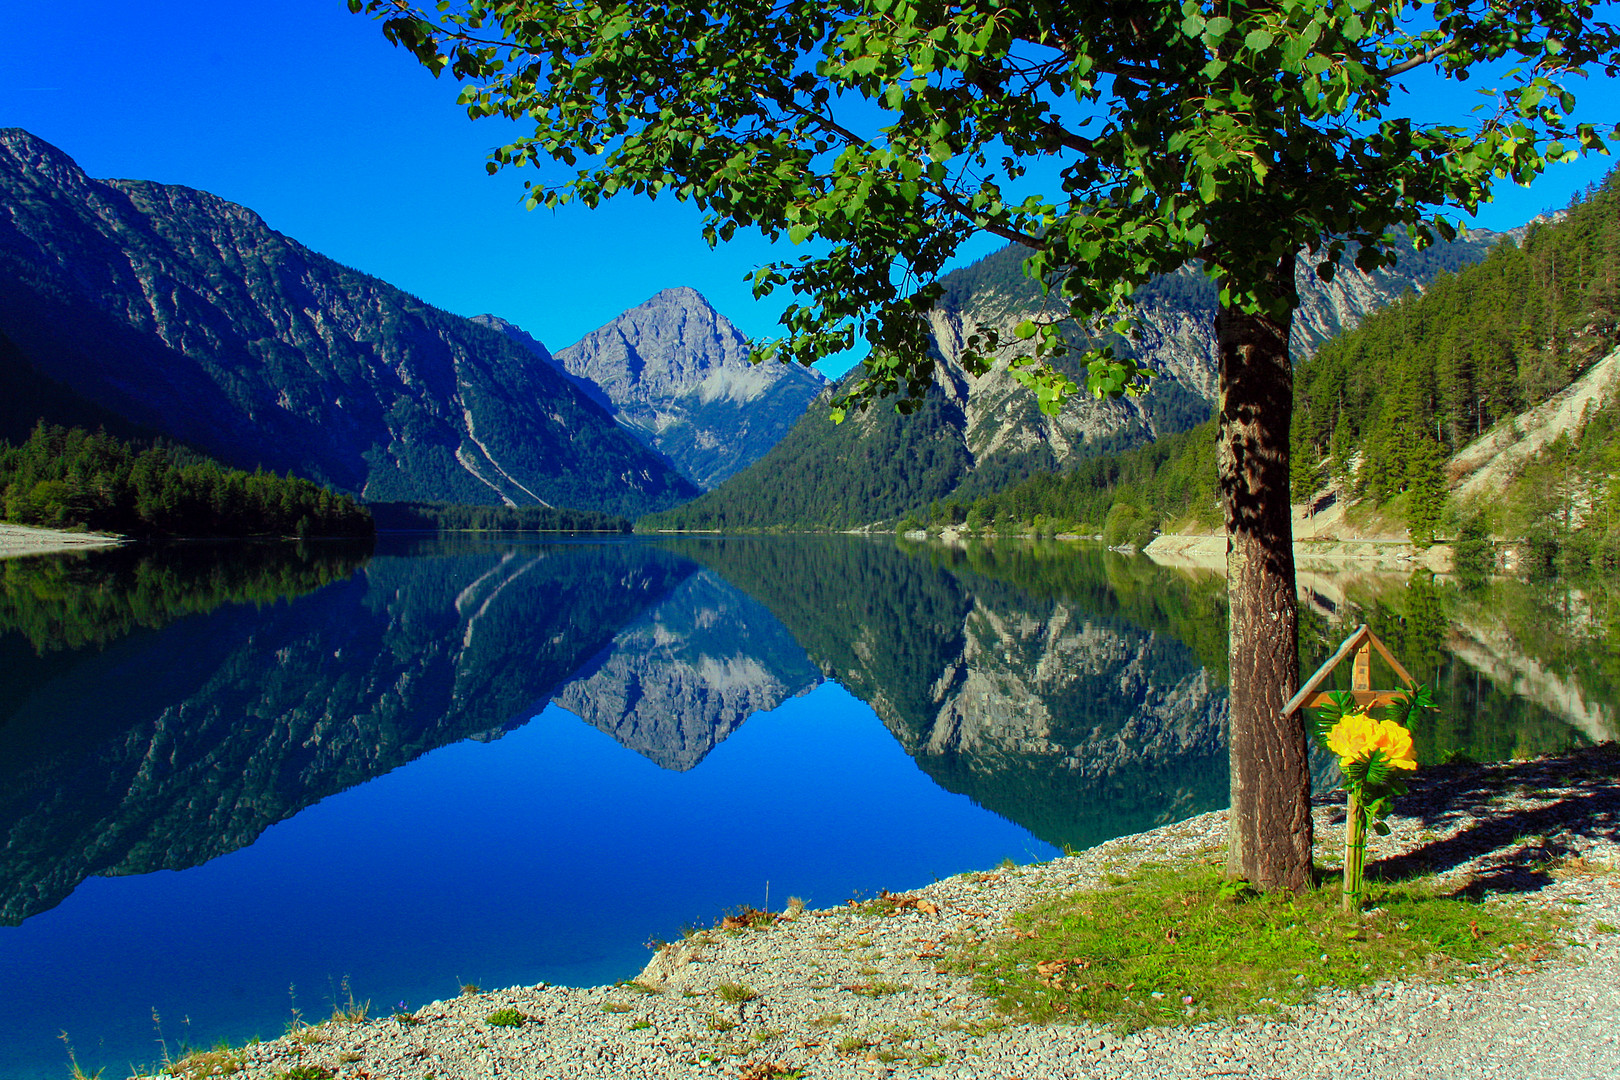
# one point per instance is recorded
(843, 993)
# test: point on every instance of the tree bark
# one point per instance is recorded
(1269, 838)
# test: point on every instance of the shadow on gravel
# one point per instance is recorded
(1508, 835)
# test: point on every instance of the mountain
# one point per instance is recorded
(972, 435)
(258, 710)
(673, 685)
(1500, 383)
(675, 372)
(1039, 698)
(186, 314)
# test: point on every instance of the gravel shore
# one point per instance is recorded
(26, 540)
(842, 993)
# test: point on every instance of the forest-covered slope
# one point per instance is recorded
(1386, 413)
(66, 478)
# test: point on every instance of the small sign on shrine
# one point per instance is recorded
(1361, 643)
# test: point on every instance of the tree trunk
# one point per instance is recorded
(1269, 839)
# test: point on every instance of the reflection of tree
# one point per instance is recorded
(91, 598)
(259, 713)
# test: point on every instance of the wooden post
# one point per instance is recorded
(1355, 851)
(1361, 668)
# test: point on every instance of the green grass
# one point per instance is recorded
(878, 989)
(199, 1064)
(306, 1072)
(735, 992)
(1180, 946)
(505, 1018)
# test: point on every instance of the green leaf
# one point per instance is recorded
(1258, 40)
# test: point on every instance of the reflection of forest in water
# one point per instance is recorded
(1523, 668)
(166, 705)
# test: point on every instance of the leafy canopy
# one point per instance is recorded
(1226, 134)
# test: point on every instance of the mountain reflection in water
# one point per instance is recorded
(163, 707)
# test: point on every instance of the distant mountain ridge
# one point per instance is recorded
(185, 314)
(973, 435)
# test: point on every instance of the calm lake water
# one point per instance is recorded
(236, 778)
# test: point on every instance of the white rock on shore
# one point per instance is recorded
(845, 993)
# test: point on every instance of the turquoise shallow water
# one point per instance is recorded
(234, 780)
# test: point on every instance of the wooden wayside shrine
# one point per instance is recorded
(1362, 643)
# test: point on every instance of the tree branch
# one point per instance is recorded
(1417, 61)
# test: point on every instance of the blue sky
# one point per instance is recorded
(303, 112)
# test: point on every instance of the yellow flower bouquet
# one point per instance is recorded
(1373, 753)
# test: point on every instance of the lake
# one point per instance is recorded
(239, 782)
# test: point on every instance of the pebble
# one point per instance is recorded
(815, 1013)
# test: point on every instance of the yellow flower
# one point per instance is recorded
(1354, 736)
(1357, 735)
(1396, 743)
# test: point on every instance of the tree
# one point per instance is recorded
(1234, 136)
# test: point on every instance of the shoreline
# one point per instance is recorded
(18, 540)
(1208, 552)
(852, 992)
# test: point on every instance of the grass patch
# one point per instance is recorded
(346, 1009)
(505, 1018)
(720, 1023)
(306, 1072)
(878, 989)
(220, 1061)
(735, 992)
(638, 987)
(617, 1007)
(1180, 946)
(640, 1025)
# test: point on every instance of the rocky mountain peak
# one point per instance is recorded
(676, 373)
(663, 347)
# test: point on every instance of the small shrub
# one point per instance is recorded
(505, 1018)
